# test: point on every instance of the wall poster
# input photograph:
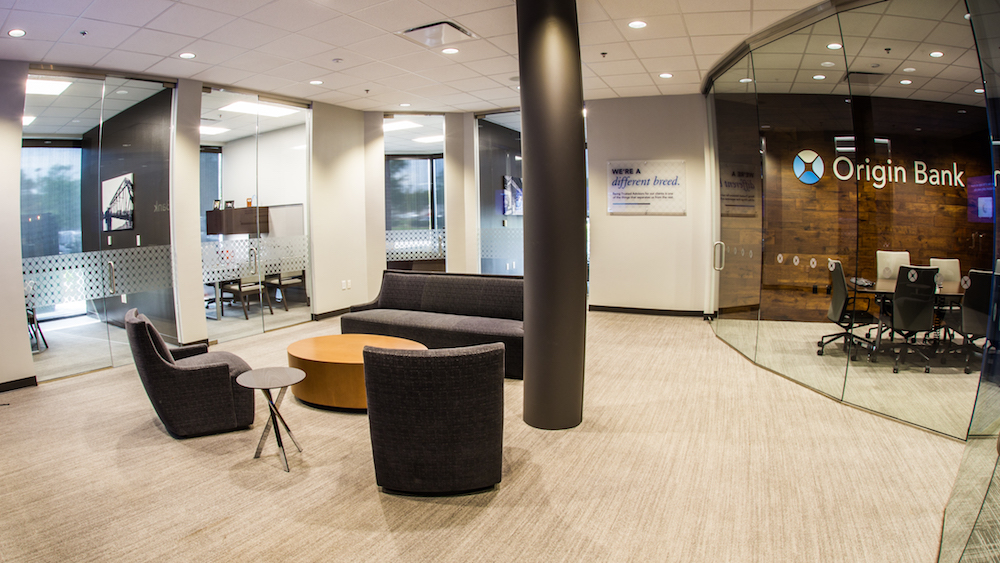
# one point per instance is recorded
(739, 186)
(513, 196)
(647, 187)
(118, 203)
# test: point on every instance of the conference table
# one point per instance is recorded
(885, 287)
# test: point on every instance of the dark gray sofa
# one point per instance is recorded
(442, 310)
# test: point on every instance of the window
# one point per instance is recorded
(50, 199)
(414, 192)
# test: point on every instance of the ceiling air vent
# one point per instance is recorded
(437, 34)
(869, 78)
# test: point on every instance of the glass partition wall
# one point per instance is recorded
(853, 140)
(254, 174)
(501, 215)
(95, 218)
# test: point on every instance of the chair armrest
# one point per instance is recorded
(188, 351)
(365, 306)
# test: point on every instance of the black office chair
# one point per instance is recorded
(972, 319)
(843, 312)
(912, 311)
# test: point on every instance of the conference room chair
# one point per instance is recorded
(888, 262)
(245, 288)
(193, 391)
(949, 268)
(281, 281)
(971, 321)
(913, 304)
(436, 418)
(844, 313)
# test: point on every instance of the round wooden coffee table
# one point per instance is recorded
(334, 366)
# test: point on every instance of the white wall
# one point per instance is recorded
(649, 262)
(461, 193)
(374, 146)
(337, 208)
(17, 363)
(278, 157)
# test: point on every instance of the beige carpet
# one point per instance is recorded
(687, 452)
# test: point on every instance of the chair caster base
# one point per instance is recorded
(895, 370)
(819, 352)
(927, 369)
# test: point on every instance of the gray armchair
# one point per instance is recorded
(193, 391)
(436, 418)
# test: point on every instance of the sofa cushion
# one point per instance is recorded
(235, 363)
(500, 297)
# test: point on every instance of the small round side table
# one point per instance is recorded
(266, 379)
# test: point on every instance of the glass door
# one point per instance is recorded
(737, 253)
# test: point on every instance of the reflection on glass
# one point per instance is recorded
(501, 229)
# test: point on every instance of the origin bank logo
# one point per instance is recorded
(808, 167)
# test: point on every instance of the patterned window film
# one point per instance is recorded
(419, 244)
(234, 259)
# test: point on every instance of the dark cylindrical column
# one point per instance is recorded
(555, 211)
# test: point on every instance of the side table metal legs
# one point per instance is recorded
(273, 421)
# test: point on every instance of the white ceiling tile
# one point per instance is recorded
(55, 111)
(721, 23)
(24, 49)
(942, 85)
(670, 64)
(476, 51)
(177, 67)
(298, 72)
(128, 12)
(339, 80)
(968, 59)
(761, 20)
(662, 47)
(796, 43)
(857, 24)
(599, 32)
(774, 75)
(453, 8)
(506, 43)
(232, 7)
(499, 65)
(590, 11)
(292, 15)
(222, 75)
(459, 98)
(624, 80)
(406, 82)
(333, 97)
(210, 52)
(965, 74)
(599, 94)
(607, 52)
(679, 89)
(449, 73)
(421, 60)
(399, 15)
(155, 42)
(435, 91)
(495, 94)
(928, 9)
(294, 47)
(245, 33)
(264, 82)
(96, 33)
(714, 44)
(778, 60)
(385, 47)
(637, 91)
(63, 7)
(657, 27)
(306, 91)
(592, 82)
(360, 104)
(341, 31)
(62, 53)
(123, 60)
(189, 20)
(692, 6)
(490, 23)
(612, 68)
(952, 34)
(374, 71)
(680, 77)
(337, 59)
(617, 9)
(256, 61)
(39, 27)
(473, 84)
(783, 4)
(897, 27)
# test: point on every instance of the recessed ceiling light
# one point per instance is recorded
(962, 111)
(47, 87)
(404, 105)
(17, 33)
(980, 91)
(637, 24)
(819, 77)
(666, 75)
(828, 64)
(906, 82)
(398, 125)
(432, 139)
(259, 109)
(746, 80)
(918, 129)
(121, 92)
(937, 54)
(909, 69)
(449, 51)
(27, 119)
(834, 46)
(206, 130)
(187, 55)
(315, 82)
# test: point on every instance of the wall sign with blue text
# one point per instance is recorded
(647, 187)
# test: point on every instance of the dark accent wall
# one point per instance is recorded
(136, 141)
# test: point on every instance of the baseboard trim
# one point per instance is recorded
(641, 311)
(18, 384)
(331, 314)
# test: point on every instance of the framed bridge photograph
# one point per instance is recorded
(118, 200)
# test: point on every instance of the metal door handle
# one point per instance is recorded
(111, 273)
(253, 261)
(715, 250)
